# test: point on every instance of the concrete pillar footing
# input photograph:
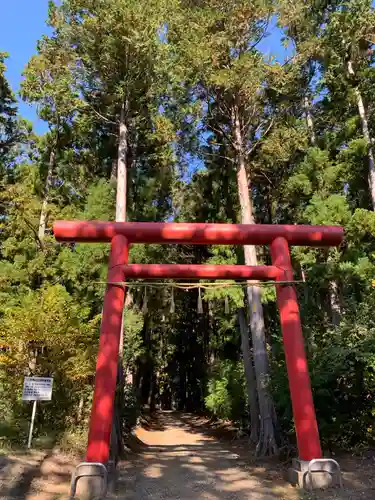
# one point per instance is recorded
(315, 474)
(90, 481)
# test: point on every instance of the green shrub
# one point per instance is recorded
(226, 391)
(130, 410)
(342, 370)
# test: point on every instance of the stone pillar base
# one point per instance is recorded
(89, 481)
(325, 473)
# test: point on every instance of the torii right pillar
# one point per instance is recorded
(305, 422)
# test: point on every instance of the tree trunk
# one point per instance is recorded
(250, 377)
(335, 304)
(113, 178)
(267, 442)
(210, 352)
(80, 408)
(309, 120)
(121, 202)
(121, 180)
(122, 154)
(366, 135)
(42, 228)
(46, 196)
(33, 357)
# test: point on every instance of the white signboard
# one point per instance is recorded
(37, 389)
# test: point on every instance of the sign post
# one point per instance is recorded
(36, 389)
(31, 425)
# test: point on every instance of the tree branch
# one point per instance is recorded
(254, 146)
(268, 179)
(220, 156)
(221, 132)
(260, 38)
(100, 115)
(37, 239)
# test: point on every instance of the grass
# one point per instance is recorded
(14, 436)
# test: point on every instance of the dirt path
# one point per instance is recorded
(184, 462)
(178, 457)
(35, 476)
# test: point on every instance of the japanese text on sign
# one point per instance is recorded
(37, 389)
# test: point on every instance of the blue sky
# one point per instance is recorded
(22, 23)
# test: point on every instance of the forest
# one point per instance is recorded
(173, 111)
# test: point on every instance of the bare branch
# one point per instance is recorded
(100, 115)
(247, 122)
(221, 132)
(268, 179)
(224, 110)
(264, 33)
(268, 128)
(37, 239)
(257, 144)
(220, 156)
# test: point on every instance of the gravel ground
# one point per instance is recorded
(178, 457)
(35, 475)
(184, 462)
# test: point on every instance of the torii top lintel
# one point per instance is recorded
(197, 233)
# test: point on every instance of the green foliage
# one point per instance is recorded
(133, 342)
(130, 409)
(8, 114)
(341, 363)
(226, 391)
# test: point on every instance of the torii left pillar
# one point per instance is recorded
(93, 472)
(107, 361)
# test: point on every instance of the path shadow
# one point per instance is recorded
(153, 422)
(189, 472)
(216, 466)
(46, 476)
(200, 467)
(24, 469)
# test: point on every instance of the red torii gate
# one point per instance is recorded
(122, 234)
